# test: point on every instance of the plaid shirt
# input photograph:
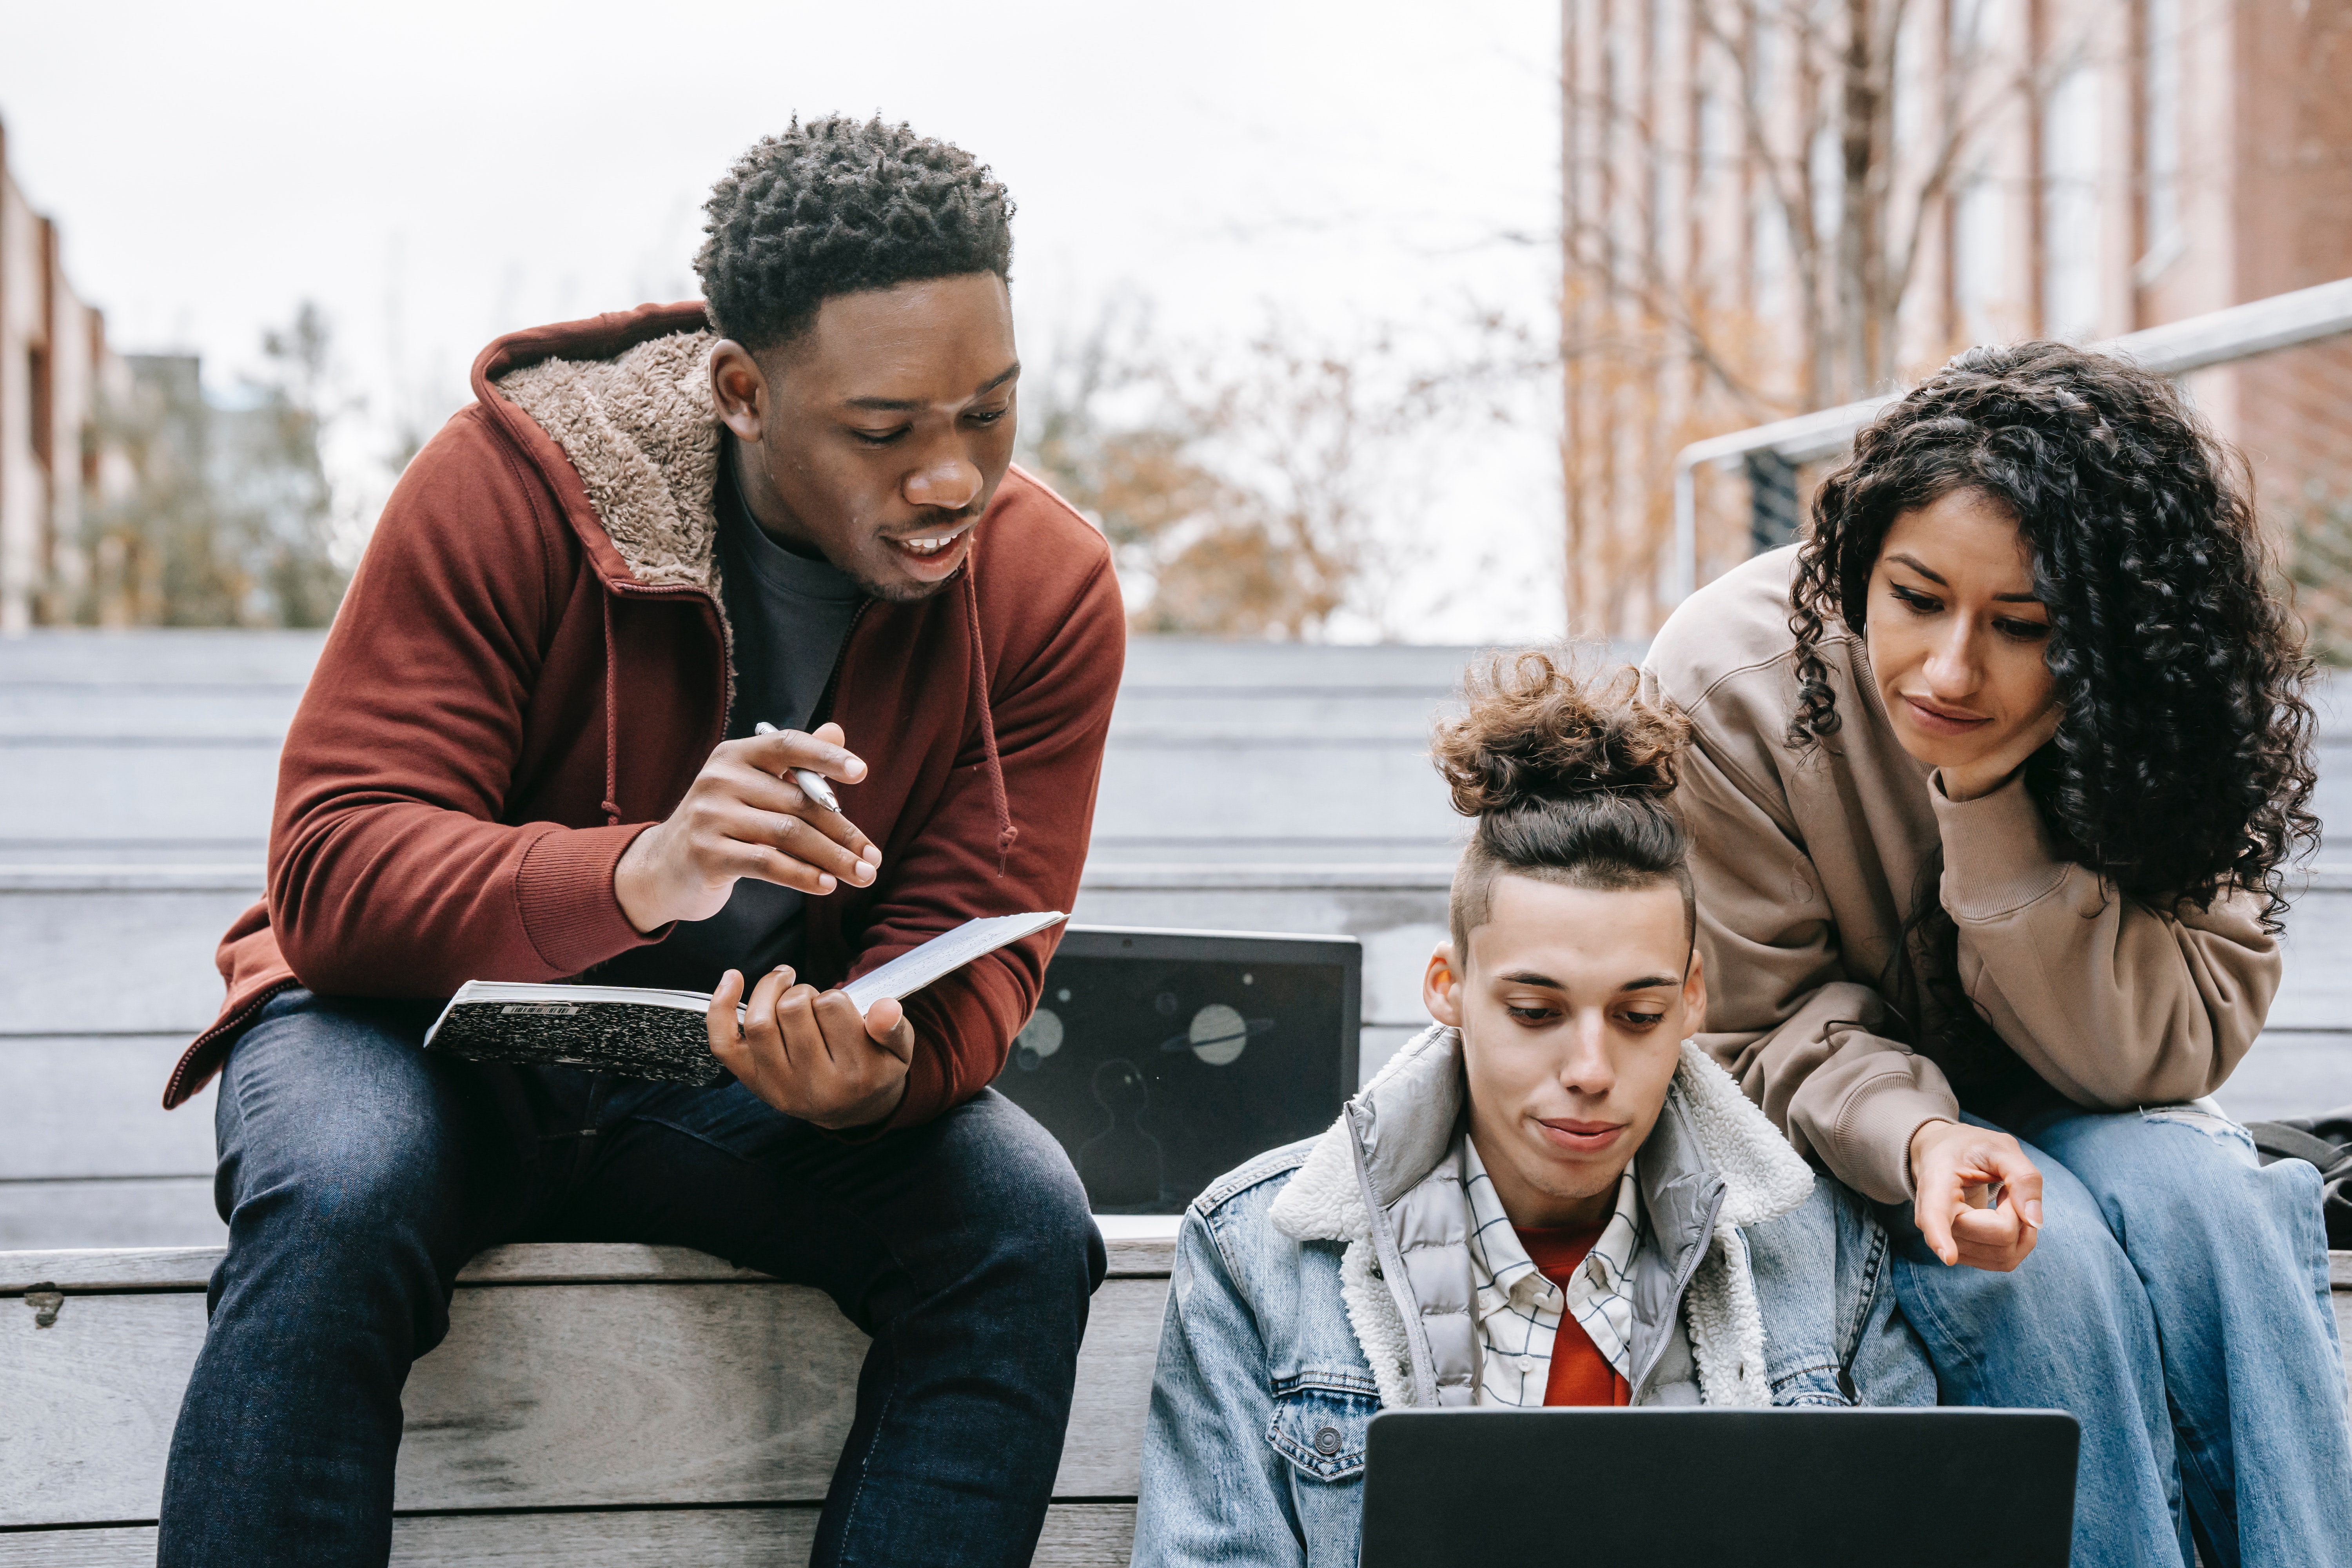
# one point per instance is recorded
(1518, 1309)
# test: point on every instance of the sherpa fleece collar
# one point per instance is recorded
(642, 432)
(1416, 1099)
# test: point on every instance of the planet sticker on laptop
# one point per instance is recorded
(1218, 1036)
(1038, 1038)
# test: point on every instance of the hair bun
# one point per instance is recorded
(1535, 730)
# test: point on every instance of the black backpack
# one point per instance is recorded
(2326, 1142)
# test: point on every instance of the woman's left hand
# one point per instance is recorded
(1951, 1165)
(1989, 772)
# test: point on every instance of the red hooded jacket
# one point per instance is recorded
(529, 668)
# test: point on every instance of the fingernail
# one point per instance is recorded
(825, 882)
(864, 871)
(870, 855)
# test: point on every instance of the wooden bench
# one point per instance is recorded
(592, 1405)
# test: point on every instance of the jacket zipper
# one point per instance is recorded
(226, 1026)
(672, 590)
(1682, 1286)
(1384, 1247)
(840, 658)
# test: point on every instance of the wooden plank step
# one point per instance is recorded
(165, 1211)
(653, 1376)
(1138, 1247)
(176, 788)
(1076, 1535)
(116, 962)
(186, 657)
(70, 937)
(47, 712)
(2316, 993)
(1361, 787)
(91, 1106)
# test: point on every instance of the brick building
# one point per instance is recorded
(56, 375)
(1753, 226)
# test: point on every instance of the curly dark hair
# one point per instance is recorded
(835, 206)
(2182, 768)
(1567, 777)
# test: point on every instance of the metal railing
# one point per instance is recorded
(2199, 343)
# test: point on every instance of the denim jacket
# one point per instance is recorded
(1322, 1281)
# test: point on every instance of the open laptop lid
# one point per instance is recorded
(1162, 1059)
(1666, 1488)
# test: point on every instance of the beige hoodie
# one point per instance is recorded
(1805, 864)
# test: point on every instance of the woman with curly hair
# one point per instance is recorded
(1993, 785)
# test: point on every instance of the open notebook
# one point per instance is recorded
(641, 1032)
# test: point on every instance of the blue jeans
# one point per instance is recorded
(2177, 1304)
(358, 1174)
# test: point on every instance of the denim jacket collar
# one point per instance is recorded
(1383, 1181)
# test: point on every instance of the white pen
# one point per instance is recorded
(816, 787)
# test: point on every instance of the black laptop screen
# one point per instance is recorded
(1161, 1060)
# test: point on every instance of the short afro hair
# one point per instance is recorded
(837, 207)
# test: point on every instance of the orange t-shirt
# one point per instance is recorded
(1581, 1374)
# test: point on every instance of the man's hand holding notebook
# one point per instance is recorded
(831, 1058)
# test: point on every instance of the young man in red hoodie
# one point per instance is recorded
(527, 752)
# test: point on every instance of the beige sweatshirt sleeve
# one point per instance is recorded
(1783, 1015)
(2114, 1003)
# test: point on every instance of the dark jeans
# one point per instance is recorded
(358, 1174)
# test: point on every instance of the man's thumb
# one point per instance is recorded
(885, 1025)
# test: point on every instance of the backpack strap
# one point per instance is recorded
(2281, 1142)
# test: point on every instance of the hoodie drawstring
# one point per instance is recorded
(1008, 833)
(612, 721)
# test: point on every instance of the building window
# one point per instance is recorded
(1967, 35)
(37, 371)
(1980, 246)
(2069, 207)
(2159, 138)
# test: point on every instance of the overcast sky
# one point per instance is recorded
(435, 173)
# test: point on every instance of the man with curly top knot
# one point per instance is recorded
(1551, 1197)
(667, 558)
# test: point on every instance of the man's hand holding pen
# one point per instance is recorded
(745, 816)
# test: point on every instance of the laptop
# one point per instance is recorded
(1711, 1488)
